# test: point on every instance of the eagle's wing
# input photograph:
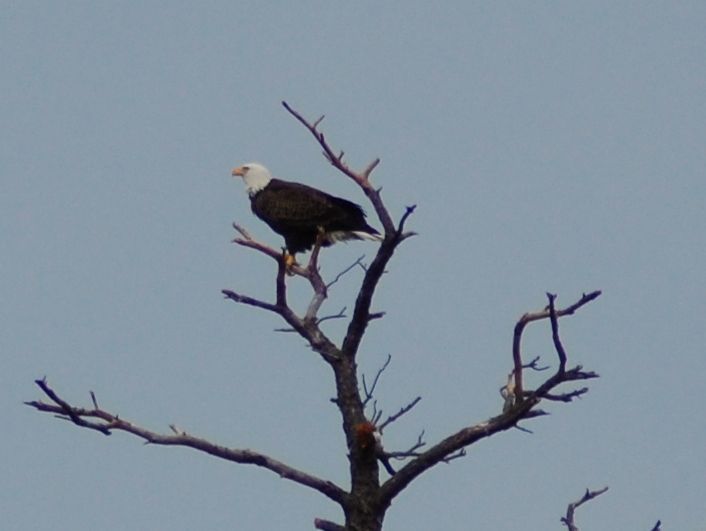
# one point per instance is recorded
(299, 205)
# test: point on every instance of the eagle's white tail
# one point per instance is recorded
(342, 235)
(368, 236)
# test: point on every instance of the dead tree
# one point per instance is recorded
(370, 494)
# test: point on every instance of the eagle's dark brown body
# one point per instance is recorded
(299, 212)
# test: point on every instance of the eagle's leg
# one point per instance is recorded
(289, 261)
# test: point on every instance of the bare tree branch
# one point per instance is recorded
(452, 444)
(568, 520)
(325, 525)
(555, 333)
(571, 375)
(65, 411)
(513, 411)
(401, 235)
(317, 283)
(566, 397)
(358, 262)
(536, 316)
(307, 326)
(392, 418)
(93, 398)
(456, 455)
(534, 365)
(411, 451)
(107, 422)
(244, 299)
(248, 241)
(340, 315)
(369, 392)
(361, 311)
(361, 178)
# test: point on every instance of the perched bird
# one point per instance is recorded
(302, 214)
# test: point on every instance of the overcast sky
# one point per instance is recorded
(549, 146)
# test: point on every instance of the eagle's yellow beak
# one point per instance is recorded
(238, 172)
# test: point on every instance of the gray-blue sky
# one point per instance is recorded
(550, 147)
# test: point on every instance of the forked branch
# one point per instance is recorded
(246, 240)
(568, 520)
(536, 316)
(370, 391)
(306, 326)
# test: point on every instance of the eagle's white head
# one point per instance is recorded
(255, 176)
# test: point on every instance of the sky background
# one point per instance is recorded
(549, 146)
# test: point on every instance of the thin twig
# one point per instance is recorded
(65, 410)
(400, 234)
(244, 299)
(338, 277)
(377, 415)
(566, 397)
(533, 364)
(375, 315)
(457, 455)
(340, 315)
(325, 525)
(369, 392)
(370, 167)
(411, 451)
(568, 520)
(402, 411)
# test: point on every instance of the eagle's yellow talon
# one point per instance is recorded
(289, 262)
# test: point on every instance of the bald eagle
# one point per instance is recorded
(301, 213)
